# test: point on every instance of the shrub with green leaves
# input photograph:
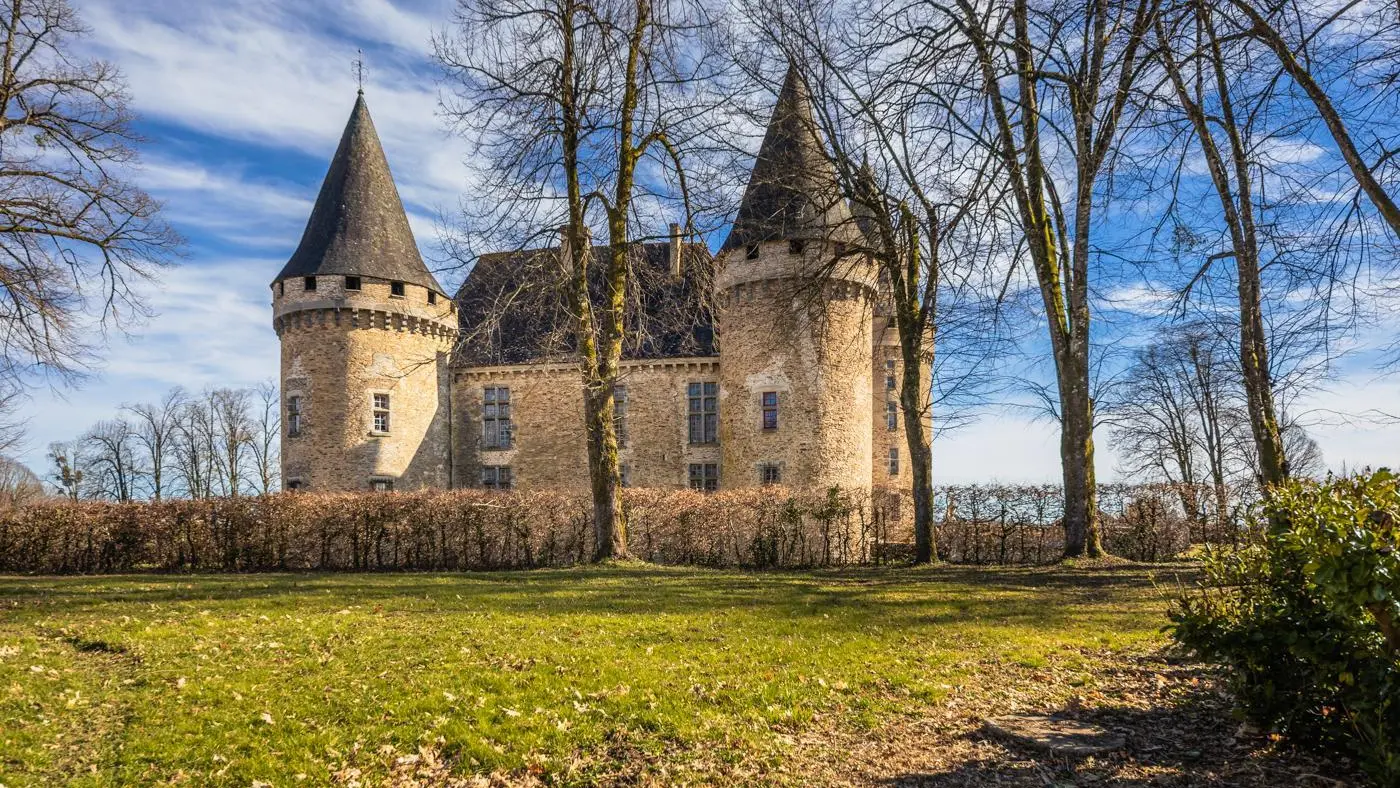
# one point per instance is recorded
(1304, 618)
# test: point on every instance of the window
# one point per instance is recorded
(381, 485)
(495, 418)
(704, 476)
(891, 416)
(889, 375)
(770, 410)
(620, 414)
(352, 283)
(432, 296)
(751, 251)
(396, 289)
(293, 484)
(894, 460)
(381, 412)
(703, 412)
(770, 473)
(624, 471)
(495, 477)
(281, 288)
(308, 283)
(293, 416)
(796, 246)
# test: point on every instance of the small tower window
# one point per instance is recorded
(432, 296)
(381, 485)
(704, 476)
(308, 283)
(282, 288)
(396, 289)
(352, 283)
(770, 410)
(496, 477)
(293, 416)
(894, 460)
(381, 413)
(889, 375)
(891, 416)
(751, 251)
(770, 473)
(796, 246)
(293, 484)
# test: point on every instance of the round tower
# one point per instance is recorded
(794, 319)
(366, 332)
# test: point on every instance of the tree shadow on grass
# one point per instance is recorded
(1192, 742)
(839, 598)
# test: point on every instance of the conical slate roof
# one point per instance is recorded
(358, 226)
(793, 192)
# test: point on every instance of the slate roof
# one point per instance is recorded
(513, 306)
(793, 192)
(358, 226)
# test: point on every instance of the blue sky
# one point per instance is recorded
(242, 103)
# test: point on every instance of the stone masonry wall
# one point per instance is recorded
(338, 349)
(813, 348)
(548, 448)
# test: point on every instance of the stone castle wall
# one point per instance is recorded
(812, 346)
(339, 348)
(548, 449)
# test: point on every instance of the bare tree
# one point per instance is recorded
(266, 437)
(1054, 81)
(74, 235)
(233, 424)
(1180, 419)
(67, 473)
(195, 447)
(112, 467)
(1298, 34)
(18, 484)
(569, 101)
(157, 426)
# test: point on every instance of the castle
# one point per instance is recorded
(739, 369)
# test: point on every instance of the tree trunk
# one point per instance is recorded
(916, 431)
(609, 525)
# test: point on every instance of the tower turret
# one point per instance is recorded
(794, 317)
(366, 331)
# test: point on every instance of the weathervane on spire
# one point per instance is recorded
(360, 69)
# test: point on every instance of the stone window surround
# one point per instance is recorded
(380, 483)
(374, 410)
(703, 476)
(496, 423)
(770, 472)
(894, 461)
(296, 418)
(892, 416)
(497, 477)
(706, 426)
(768, 407)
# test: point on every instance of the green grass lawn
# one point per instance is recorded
(576, 675)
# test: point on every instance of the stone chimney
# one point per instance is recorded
(674, 250)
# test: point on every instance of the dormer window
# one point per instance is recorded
(751, 251)
(796, 246)
(432, 297)
(308, 283)
(396, 289)
(352, 283)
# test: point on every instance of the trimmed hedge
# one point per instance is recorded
(435, 530)
(475, 529)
